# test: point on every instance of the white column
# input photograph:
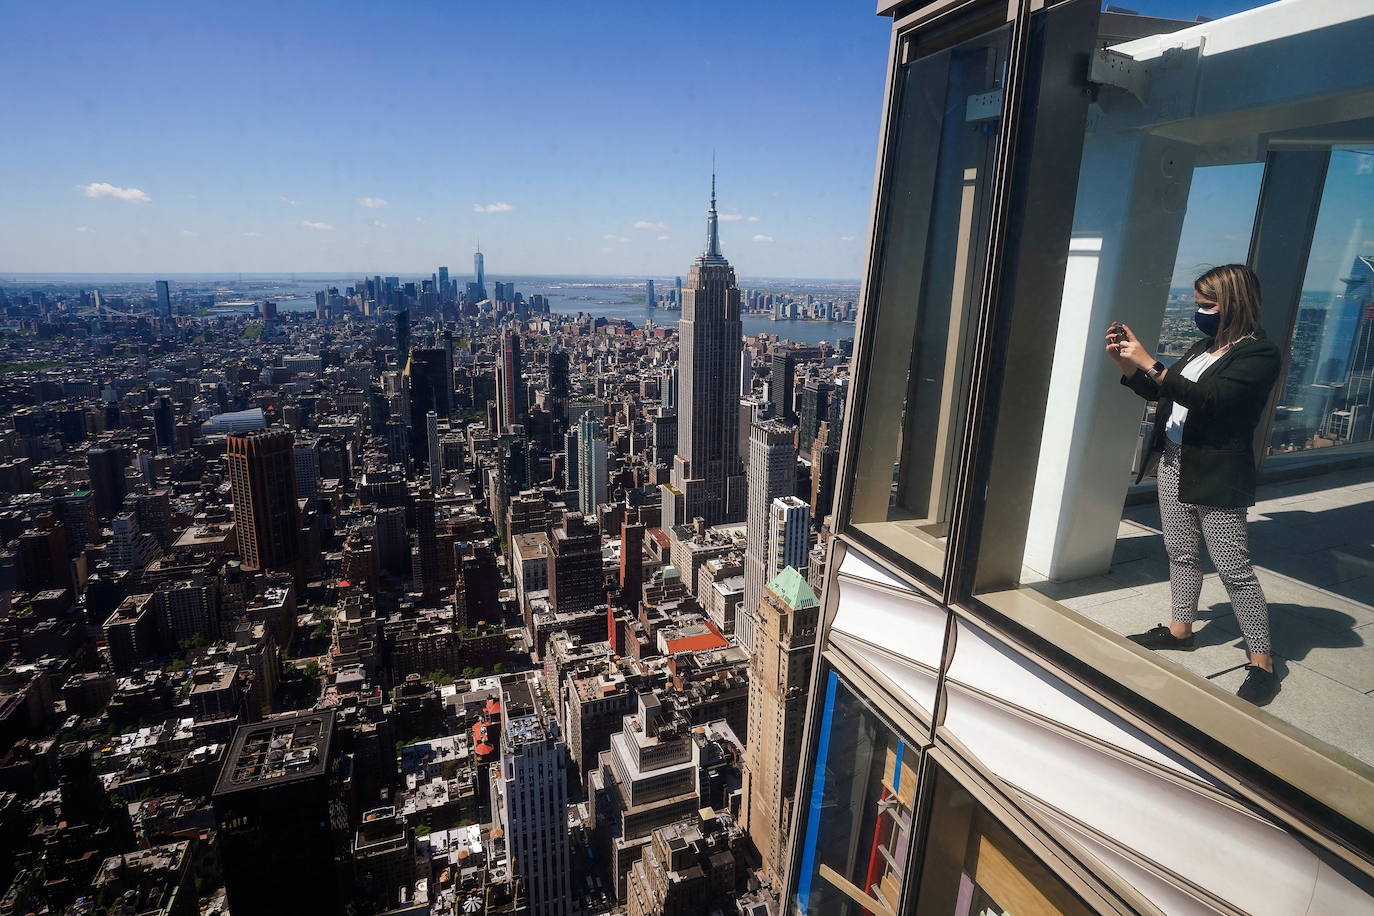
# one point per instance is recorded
(1132, 195)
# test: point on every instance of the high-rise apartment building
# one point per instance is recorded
(164, 299)
(593, 473)
(789, 535)
(530, 800)
(511, 395)
(649, 298)
(779, 684)
(262, 476)
(772, 474)
(707, 479)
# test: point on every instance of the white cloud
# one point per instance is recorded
(607, 250)
(320, 227)
(753, 219)
(84, 229)
(189, 233)
(731, 217)
(646, 224)
(763, 238)
(846, 238)
(612, 237)
(421, 220)
(499, 207)
(252, 235)
(378, 224)
(288, 201)
(664, 238)
(372, 203)
(105, 189)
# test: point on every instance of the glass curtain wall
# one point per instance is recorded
(857, 811)
(933, 251)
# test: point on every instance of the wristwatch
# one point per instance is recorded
(1153, 372)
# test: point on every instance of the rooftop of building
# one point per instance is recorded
(792, 589)
(280, 750)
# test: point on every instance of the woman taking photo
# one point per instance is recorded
(1202, 451)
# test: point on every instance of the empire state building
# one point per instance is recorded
(707, 479)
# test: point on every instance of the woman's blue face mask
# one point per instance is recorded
(1208, 321)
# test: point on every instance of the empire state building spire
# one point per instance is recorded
(712, 253)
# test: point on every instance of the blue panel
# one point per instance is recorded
(813, 815)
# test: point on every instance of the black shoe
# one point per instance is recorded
(1159, 637)
(1260, 686)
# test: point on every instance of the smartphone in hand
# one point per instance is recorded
(1117, 332)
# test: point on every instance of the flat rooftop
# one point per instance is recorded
(277, 751)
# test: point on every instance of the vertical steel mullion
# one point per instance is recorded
(957, 551)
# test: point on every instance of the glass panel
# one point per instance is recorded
(1216, 230)
(933, 247)
(1327, 398)
(973, 866)
(1259, 450)
(856, 832)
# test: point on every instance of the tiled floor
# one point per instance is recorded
(1312, 542)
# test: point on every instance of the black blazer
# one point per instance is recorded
(1217, 467)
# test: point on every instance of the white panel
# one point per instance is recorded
(1335, 893)
(983, 663)
(856, 564)
(908, 626)
(916, 683)
(1238, 857)
(1171, 899)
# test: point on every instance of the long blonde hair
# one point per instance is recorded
(1236, 291)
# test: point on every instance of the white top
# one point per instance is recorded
(1192, 372)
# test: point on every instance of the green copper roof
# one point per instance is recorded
(792, 589)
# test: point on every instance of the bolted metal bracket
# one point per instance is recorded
(1112, 68)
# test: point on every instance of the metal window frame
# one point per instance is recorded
(1302, 804)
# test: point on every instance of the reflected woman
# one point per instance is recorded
(1202, 451)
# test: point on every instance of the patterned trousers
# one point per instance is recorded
(1185, 526)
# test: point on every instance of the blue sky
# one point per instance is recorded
(251, 126)
(364, 137)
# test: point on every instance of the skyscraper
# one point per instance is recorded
(443, 285)
(511, 397)
(789, 534)
(479, 273)
(782, 384)
(281, 817)
(165, 425)
(530, 799)
(649, 293)
(779, 682)
(706, 473)
(263, 481)
(106, 471)
(772, 474)
(164, 299)
(436, 455)
(592, 468)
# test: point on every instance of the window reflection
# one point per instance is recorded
(973, 866)
(856, 829)
(1328, 395)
